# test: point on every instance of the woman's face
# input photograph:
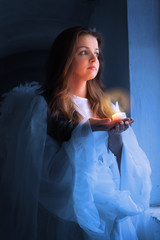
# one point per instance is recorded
(85, 64)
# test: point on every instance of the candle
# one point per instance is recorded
(118, 114)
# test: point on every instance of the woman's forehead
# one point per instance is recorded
(87, 41)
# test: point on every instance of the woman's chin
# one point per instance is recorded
(91, 77)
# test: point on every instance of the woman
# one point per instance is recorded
(71, 172)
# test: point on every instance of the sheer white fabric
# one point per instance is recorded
(77, 181)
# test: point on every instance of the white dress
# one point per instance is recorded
(76, 184)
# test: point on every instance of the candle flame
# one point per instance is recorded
(116, 107)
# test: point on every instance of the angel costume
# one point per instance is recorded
(69, 190)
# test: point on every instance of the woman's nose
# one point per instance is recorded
(92, 58)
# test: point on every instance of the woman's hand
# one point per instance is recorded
(100, 124)
(113, 127)
(120, 126)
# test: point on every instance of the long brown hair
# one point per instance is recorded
(57, 67)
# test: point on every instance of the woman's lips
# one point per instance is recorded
(92, 68)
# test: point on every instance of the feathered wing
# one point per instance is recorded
(22, 140)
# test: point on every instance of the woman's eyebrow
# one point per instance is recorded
(87, 47)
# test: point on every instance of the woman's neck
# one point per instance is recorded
(79, 90)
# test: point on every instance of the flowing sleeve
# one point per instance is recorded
(80, 182)
(22, 139)
(135, 170)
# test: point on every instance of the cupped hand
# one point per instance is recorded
(113, 127)
(120, 126)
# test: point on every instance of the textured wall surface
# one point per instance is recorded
(144, 59)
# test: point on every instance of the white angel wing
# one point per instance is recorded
(22, 140)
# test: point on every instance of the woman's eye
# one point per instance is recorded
(97, 54)
(83, 52)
